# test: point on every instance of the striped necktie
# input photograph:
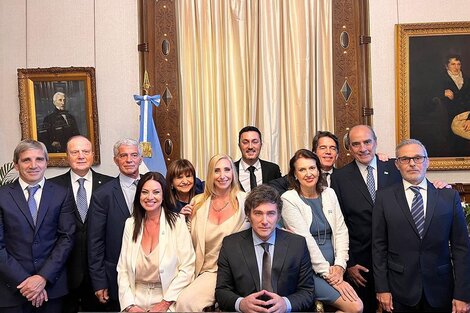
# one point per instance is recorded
(417, 210)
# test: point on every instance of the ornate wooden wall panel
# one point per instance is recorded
(350, 68)
(159, 56)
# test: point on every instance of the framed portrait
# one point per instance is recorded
(57, 103)
(433, 90)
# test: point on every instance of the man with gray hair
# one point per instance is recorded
(110, 206)
(36, 235)
(59, 126)
(420, 243)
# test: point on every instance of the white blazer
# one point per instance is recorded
(176, 254)
(297, 216)
(199, 223)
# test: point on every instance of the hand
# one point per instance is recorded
(466, 125)
(32, 286)
(383, 157)
(161, 306)
(346, 291)
(335, 276)
(40, 299)
(251, 303)
(137, 308)
(187, 210)
(277, 303)
(354, 273)
(102, 295)
(441, 185)
(385, 300)
(460, 306)
(449, 94)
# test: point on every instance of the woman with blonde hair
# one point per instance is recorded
(214, 214)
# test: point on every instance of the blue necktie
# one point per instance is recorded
(371, 182)
(82, 204)
(33, 207)
(417, 210)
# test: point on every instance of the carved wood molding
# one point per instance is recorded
(159, 38)
(351, 68)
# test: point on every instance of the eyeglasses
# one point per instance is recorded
(417, 159)
(77, 152)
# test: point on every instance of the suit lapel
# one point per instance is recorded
(430, 206)
(248, 252)
(19, 197)
(383, 173)
(264, 171)
(68, 184)
(404, 207)
(280, 253)
(237, 167)
(358, 180)
(120, 199)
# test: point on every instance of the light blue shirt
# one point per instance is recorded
(259, 251)
(129, 189)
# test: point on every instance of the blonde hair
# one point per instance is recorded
(209, 190)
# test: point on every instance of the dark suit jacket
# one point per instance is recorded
(356, 204)
(405, 265)
(55, 128)
(238, 275)
(107, 216)
(77, 265)
(269, 171)
(26, 249)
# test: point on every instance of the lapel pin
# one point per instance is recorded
(386, 173)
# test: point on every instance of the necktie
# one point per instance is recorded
(371, 182)
(251, 169)
(417, 210)
(266, 283)
(33, 207)
(136, 182)
(82, 204)
(327, 174)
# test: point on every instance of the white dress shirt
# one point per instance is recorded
(88, 184)
(363, 170)
(423, 190)
(244, 174)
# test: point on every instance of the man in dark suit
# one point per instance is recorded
(325, 144)
(356, 200)
(421, 248)
(36, 235)
(80, 177)
(263, 266)
(110, 206)
(59, 126)
(252, 171)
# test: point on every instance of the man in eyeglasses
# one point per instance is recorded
(420, 243)
(82, 181)
(110, 206)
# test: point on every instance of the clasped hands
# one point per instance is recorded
(254, 303)
(32, 288)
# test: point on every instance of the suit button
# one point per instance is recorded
(35, 261)
(36, 242)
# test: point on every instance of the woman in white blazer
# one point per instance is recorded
(216, 213)
(312, 211)
(157, 256)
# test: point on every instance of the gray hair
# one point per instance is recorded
(347, 140)
(56, 95)
(28, 144)
(126, 142)
(407, 142)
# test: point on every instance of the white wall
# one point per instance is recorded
(102, 34)
(384, 14)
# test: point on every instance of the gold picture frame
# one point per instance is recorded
(41, 92)
(423, 110)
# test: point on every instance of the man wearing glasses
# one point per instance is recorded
(110, 206)
(420, 243)
(82, 181)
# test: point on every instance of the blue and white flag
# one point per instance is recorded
(148, 138)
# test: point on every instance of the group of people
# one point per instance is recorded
(373, 233)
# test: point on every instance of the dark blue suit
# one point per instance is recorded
(77, 264)
(26, 249)
(106, 219)
(238, 275)
(405, 265)
(356, 204)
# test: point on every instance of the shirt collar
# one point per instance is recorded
(75, 177)
(245, 166)
(422, 185)
(257, 241)
(363, 168)
(126, 180)
(25, 185)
